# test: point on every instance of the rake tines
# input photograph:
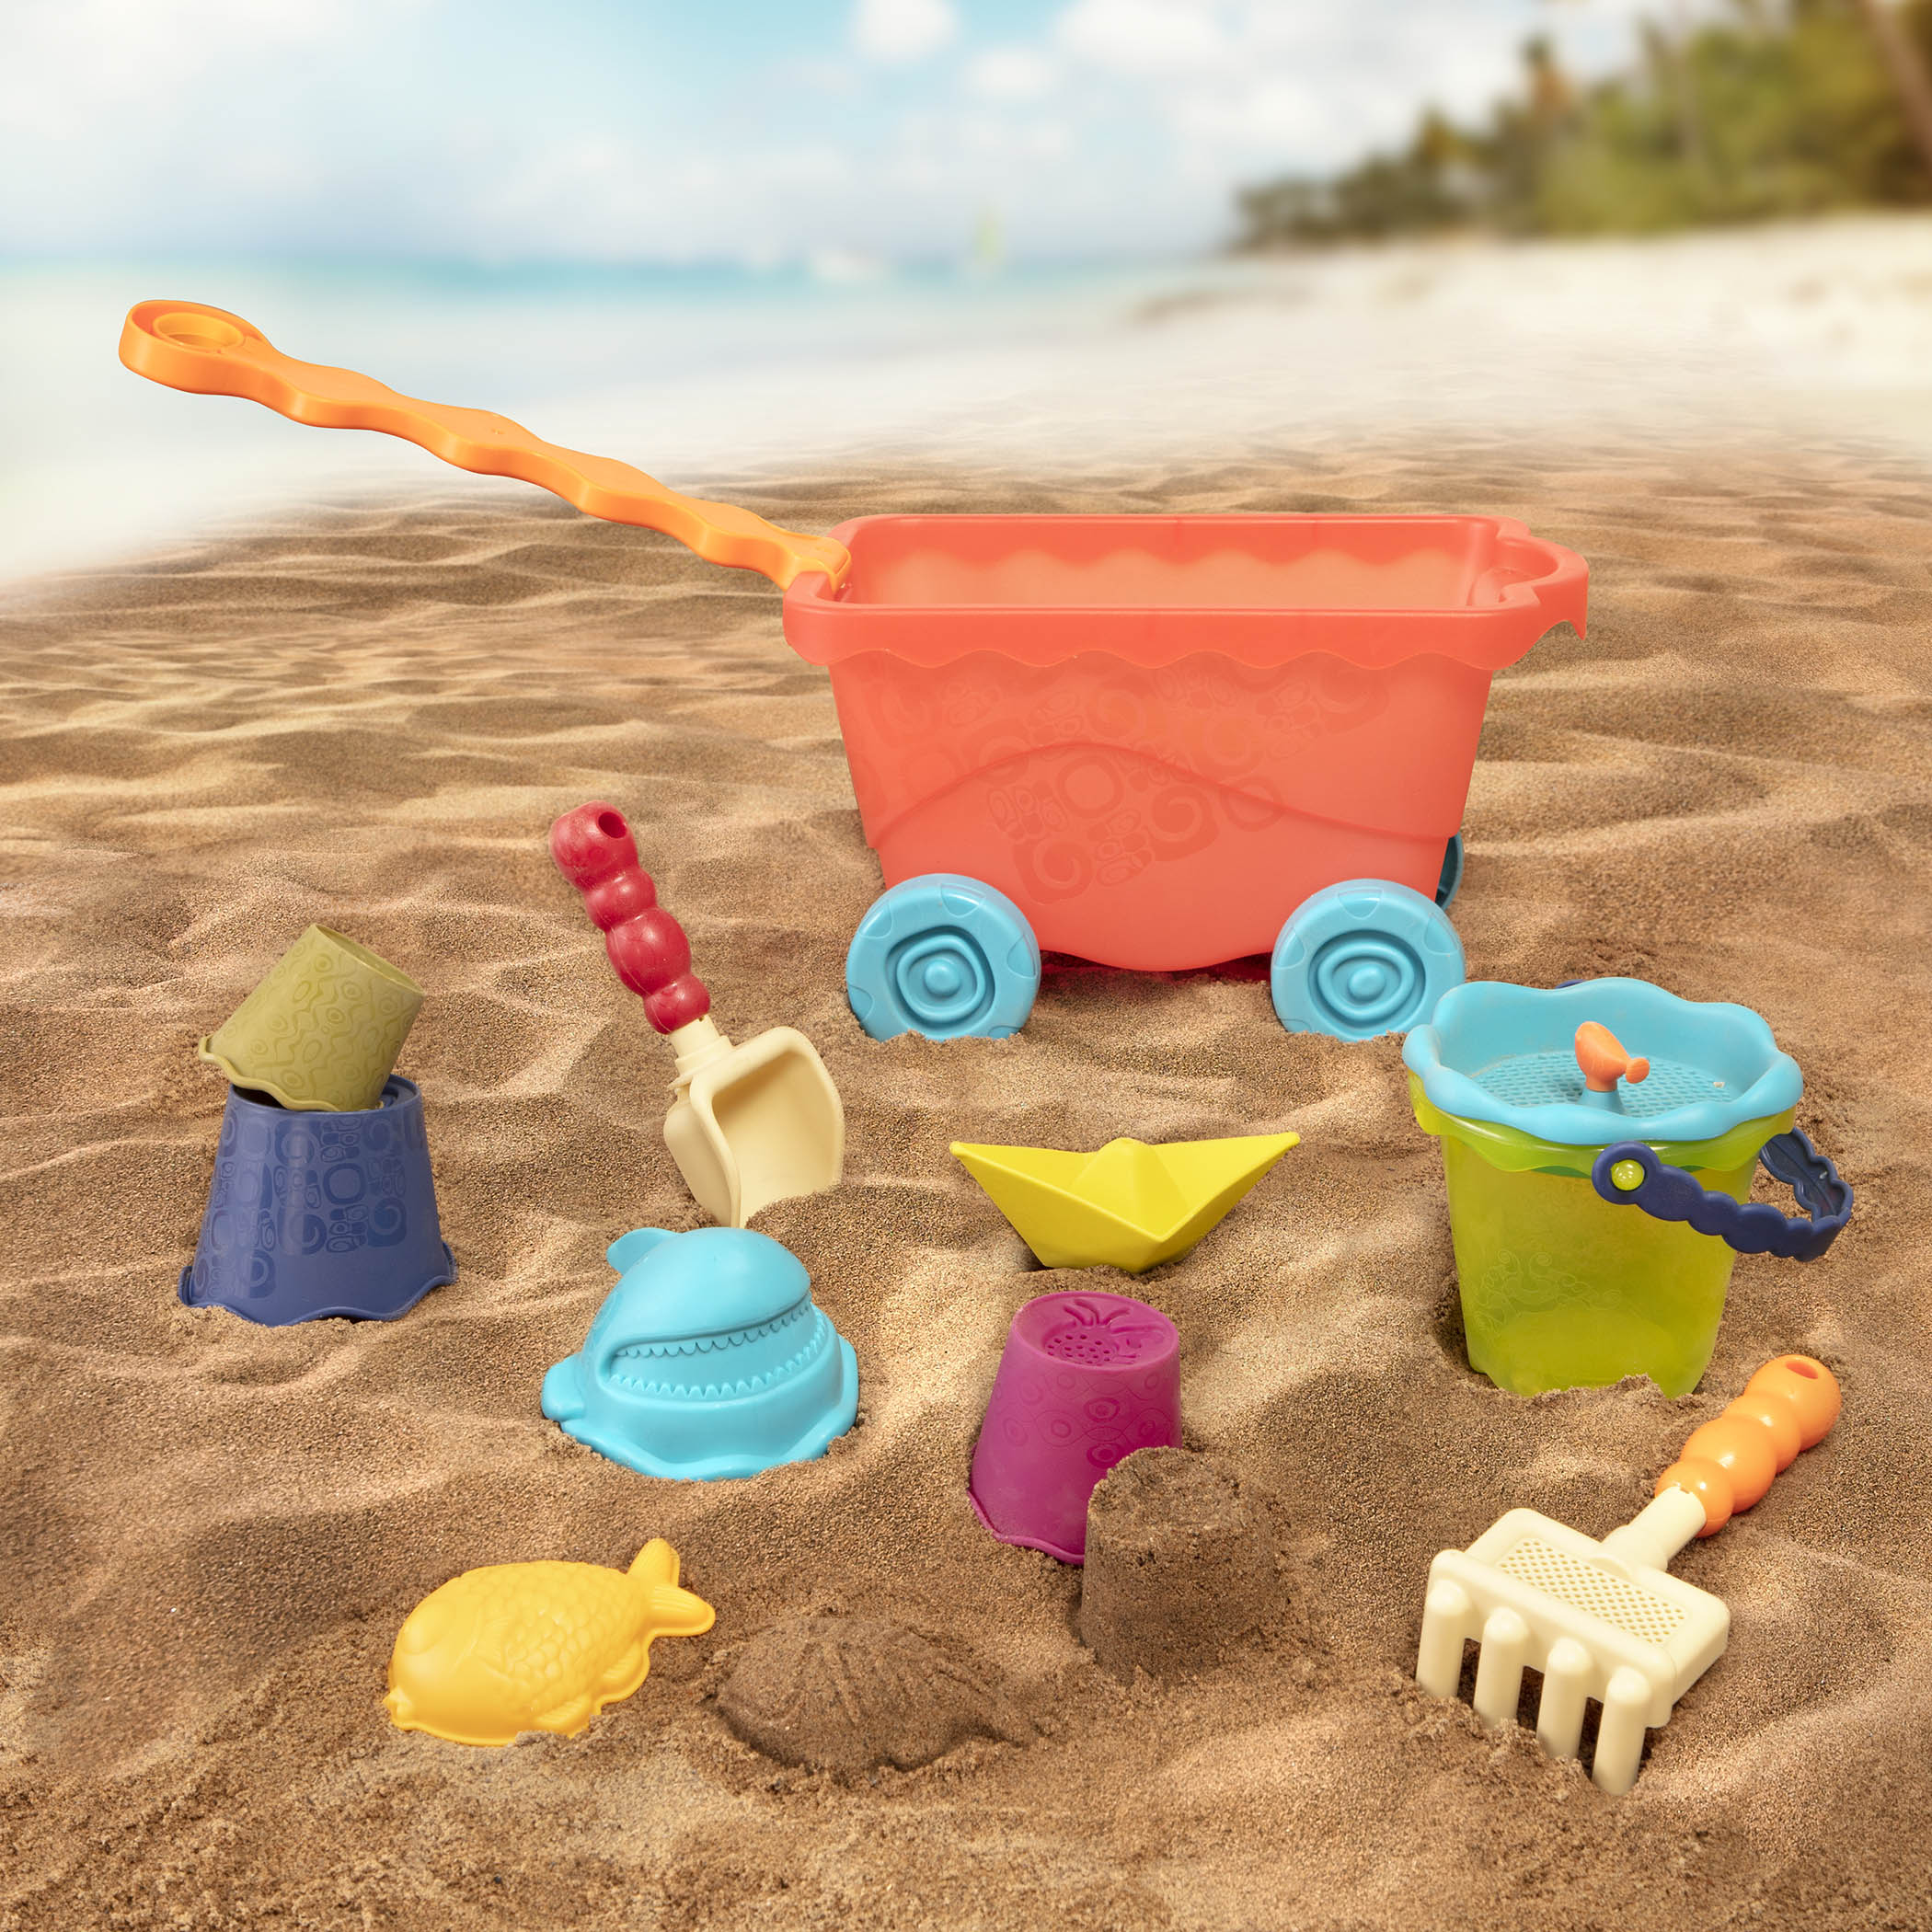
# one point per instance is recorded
(1607, 1620)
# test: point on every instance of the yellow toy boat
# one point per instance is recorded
(519, 1647)
(1131, 1205)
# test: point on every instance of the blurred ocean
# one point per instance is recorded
(707, 376)
(688, 373)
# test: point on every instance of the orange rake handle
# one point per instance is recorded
(209, 353)
(1788, 1404)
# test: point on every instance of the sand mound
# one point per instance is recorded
(1179, 1564)
(851, 1694)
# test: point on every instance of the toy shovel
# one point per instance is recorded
(747, 1125)
(1607, 1620)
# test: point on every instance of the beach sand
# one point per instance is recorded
(368, 717)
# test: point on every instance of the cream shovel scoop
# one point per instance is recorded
(747, 1125)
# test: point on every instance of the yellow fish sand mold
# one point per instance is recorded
(1131, 1205)
(519, 1647)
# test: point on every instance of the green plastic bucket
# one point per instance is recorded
(1598, 1141)
(1562, 1290)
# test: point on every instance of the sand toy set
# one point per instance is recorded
(323, 1030)
(747, 1125)
(1152, 743)
(709, 1359)
(1086, 1379)
(1130, 1206)
(322, 1202)
(519, 1647)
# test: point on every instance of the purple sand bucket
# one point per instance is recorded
(1086, 1379)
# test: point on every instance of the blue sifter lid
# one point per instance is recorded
(1507, 1054)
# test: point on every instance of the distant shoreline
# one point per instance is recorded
(1825, 327)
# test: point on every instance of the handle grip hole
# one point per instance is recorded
(193, 330)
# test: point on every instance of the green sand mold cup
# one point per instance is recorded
(323, 1030)
(1567, 1279)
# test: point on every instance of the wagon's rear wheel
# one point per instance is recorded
(1363, 958)
(945, 955)
(1448, 886)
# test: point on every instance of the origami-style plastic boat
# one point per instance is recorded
(1131, 1205)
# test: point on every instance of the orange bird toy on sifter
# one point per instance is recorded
(1607, 1620)
(1604, 1061)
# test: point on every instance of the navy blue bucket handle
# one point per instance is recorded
(1752, 1228)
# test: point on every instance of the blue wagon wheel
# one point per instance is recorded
(1363, 958)
(945, 955)
(1450, 883)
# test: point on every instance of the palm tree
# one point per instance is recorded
(1906, 66)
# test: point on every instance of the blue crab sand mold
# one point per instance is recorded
(314, 1214)
(709, 1359)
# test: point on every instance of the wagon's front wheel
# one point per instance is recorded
(945, 955)
(1363, 958)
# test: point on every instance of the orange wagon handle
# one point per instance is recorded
(209, 353)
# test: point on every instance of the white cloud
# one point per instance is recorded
(1011, 74)
(67, 60)
(1147, 37)
(1239, 86)
(611, 199)
(837, 79)
(278, 124)
(1265, 112)
(894, 30)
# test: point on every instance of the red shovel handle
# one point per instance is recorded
(594, 850)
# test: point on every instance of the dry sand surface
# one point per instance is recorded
(212, 1531)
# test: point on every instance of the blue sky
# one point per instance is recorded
(680, 129)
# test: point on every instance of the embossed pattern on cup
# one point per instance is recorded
(315, 1214)
(1086, 1379)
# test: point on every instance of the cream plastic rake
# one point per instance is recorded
(1607, 1620)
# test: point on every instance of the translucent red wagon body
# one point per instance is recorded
(1158, 736)
(1152, 742)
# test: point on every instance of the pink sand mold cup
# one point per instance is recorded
(1086, 1379)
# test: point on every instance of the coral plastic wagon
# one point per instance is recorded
(1161, 742)
(1153, 741)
